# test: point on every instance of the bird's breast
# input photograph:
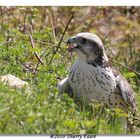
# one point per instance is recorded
(91, 82)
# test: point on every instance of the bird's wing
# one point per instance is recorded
(64, 87)
(127, 93)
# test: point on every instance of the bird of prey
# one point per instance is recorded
(92, 78)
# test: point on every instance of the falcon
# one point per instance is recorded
(91, 77)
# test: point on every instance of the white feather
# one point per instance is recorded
(63, 85)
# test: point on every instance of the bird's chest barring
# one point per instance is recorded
(92, 82)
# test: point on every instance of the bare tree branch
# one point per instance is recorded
(58, 46)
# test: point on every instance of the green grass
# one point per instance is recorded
(40, 112)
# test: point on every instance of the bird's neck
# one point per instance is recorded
(101, 60)
(96, 60)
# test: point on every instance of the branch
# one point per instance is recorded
(38, 61)
(7, 11)
(58, 46)
(137, 73)
(33, 46)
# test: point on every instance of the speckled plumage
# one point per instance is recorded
(92, 78)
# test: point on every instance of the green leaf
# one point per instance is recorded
(129, 75)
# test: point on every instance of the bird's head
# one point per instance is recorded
(88, 46)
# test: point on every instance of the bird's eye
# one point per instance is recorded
(83, 40)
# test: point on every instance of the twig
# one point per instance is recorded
(58, 46)
(38, 61)
(126, 67)
(43, 18)
(7, 11)
(24, 22)
(33, 46)
(52, 24)
(44, 42)
(41, 42)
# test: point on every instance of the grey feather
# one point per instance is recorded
(127, 93)
(64, 87)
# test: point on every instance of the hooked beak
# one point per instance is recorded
(71, 43)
